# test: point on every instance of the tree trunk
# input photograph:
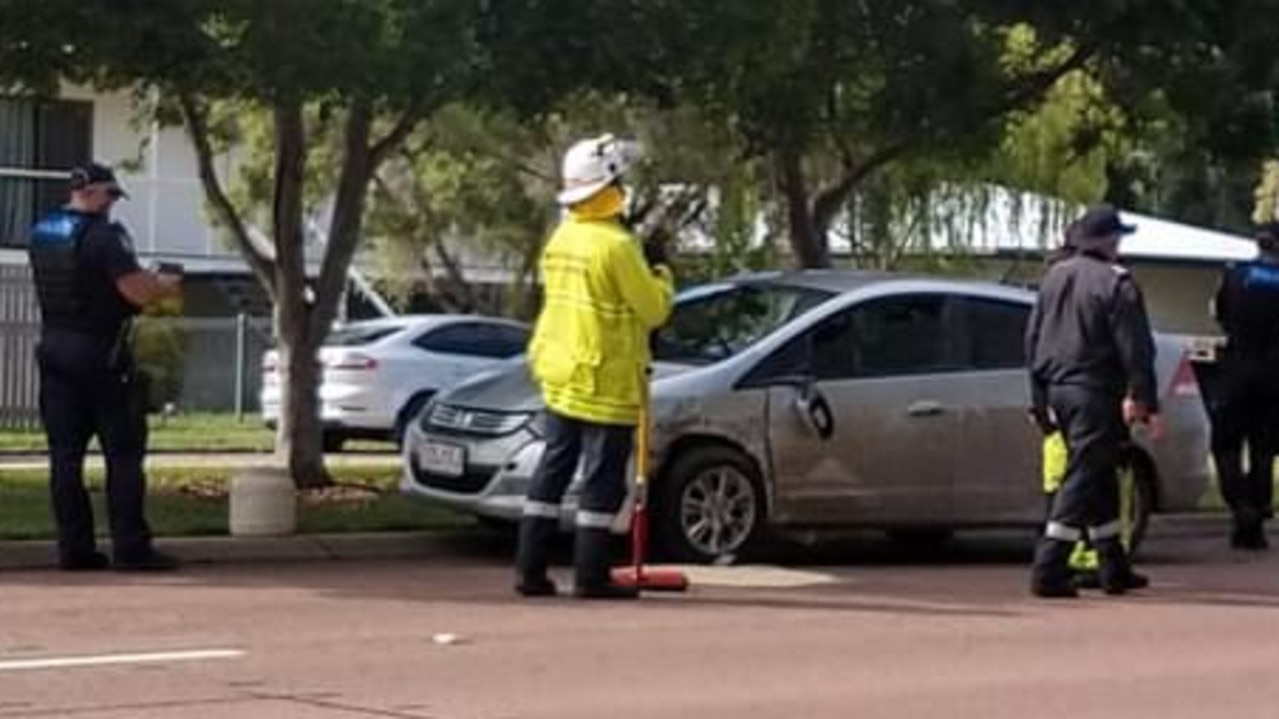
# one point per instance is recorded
(807, 242)
(524, 292)
(299, 439)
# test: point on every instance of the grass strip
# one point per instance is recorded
(192, 501)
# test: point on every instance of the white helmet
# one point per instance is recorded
(591, 165)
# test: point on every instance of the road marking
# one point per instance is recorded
(98, 660)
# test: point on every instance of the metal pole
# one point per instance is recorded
(241, 347)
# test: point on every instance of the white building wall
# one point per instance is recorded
(165, 213)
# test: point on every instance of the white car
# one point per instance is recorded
(378, 374)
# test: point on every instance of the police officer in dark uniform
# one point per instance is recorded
(90, 286)
(1091, 358)
(1245, 409)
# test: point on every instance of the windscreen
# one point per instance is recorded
(715, 322)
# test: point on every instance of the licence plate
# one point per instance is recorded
(441, 458)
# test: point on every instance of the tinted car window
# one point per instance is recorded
(715, 325)
(358, 336)
(509, 341)
(880, 338)
(900, 336)
(474, 338)
(992, 331)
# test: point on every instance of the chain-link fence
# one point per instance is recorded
(204, 364)
(195, 365)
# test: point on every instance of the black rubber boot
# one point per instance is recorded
(592, 562)
(1115, 573)
(1050, 575)
(88, 562)
(1249, 536)
(533, 557)
(152, 560)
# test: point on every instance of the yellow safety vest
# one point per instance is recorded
(589, 350)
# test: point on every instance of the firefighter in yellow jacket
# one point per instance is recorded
(603, 295)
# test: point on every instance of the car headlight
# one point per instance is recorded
(424, 415)
(537, 424)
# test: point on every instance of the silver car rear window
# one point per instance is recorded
(356, 336)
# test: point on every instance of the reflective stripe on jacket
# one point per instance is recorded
(590, 350)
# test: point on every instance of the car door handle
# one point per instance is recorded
(925, 408)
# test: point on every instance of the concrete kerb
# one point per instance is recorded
(42, 554)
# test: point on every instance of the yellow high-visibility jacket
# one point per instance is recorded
(589, 351)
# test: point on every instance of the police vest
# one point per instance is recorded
(54, 252)
(1256, 309)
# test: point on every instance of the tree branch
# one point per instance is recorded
(1037, 83)
(348, 213)
(196, 121)
(829, 200)
(398, 133)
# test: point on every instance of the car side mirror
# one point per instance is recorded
(810, 404)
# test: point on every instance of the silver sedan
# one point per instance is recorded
(817, 400)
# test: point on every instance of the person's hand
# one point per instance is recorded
(1042, 417)
(1137, 413)
(1134, 411)
(1155, 427)
(171, 284)
(655, 250)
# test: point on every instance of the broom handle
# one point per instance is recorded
(640, 529)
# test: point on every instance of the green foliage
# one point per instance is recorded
(890, 113)
(1267, 194)
(159, 346)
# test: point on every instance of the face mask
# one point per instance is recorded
(608, 203)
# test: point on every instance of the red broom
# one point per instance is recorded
(636, 575)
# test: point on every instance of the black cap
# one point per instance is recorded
(1268, 231)
(1099, 223)
(96, 174)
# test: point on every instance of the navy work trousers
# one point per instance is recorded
(603, 451)
(86, 392)
(1245, 411)
(1093, 426)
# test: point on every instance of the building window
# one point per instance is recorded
(40, 140)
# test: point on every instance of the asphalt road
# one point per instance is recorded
(859, 630)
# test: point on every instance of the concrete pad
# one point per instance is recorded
(753, 576)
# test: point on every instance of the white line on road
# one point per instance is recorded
(17, 665)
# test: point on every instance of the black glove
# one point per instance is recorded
(655, 250)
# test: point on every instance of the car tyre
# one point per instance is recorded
(710, 507)
(332, 441)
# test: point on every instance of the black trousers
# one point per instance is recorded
(1245, 412)
(1093, 427)
(82, 395)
